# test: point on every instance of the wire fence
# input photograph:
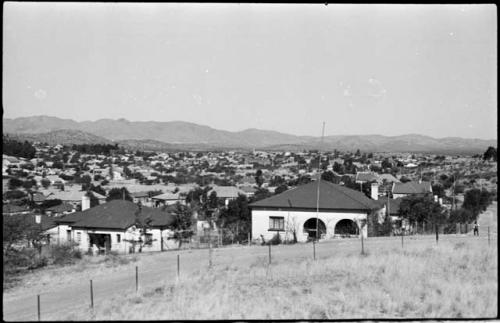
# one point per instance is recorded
(89, 294)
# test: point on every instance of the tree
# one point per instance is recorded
(476, 201)
(438, 190)
(461, 216)
(127, 172)
(280, 189)
(21, 228)
(260, 194)
(15, 183)
(18, 149)
(14, 195)
(236, 218)
(183, 221)
(94, 201)
(421, 208)
(258, 178)
(45, 183)
(118, 194)
(490, 153)
(328, 176)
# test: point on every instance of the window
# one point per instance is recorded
(149, 239)
(68, 235)
(78, 237)
(118, 238)
(276, 223)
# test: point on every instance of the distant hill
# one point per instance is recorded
(179, 135)
(62, 137)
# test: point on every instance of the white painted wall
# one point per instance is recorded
(126, 236)
(260, 223)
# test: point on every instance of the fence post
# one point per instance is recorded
(210, 253)
(402, 239)
(437, 233)
(38, 305)
(269, 253)
(91, 295)
(423, 226)
(249, 241)
(136, 278)
(178, 267)
(488, 236)
(362, 244)
(314, 249)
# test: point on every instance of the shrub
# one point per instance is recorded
(64, 254)
(275, 240)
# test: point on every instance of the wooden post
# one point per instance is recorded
(362, 244)
(178, 267)
(488, 236)
(423, 224)
(249, 241)
(91, 295)
(269, 253)
(314, 250)
(38, 305)
(136, 278)
(210, 254)
(437, 234)
(402, 240)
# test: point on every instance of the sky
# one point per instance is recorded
(361, 69)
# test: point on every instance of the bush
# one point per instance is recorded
(64, 254)
(276, 239)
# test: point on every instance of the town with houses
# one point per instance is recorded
(98, 196)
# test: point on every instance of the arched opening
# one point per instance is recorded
(310, 228)
(346, 227)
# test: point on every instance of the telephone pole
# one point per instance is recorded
(319, 180)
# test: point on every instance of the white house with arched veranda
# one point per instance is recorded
(342, 212)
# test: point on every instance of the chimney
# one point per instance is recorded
(374, 191)
(435, 198)
(85, 202)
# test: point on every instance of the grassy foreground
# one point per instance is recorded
(456, 279)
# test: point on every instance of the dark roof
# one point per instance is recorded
(46, 221)
(116, 214)
(139, 194)
(412, 188)
(394, 204)
(63, 207)
(366, 177)
(38, 197)
(12, 208)
(331, 197)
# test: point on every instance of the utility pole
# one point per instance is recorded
(319, 180)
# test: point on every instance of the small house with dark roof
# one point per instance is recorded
(113, 226)
(411, 188)
(340, 212)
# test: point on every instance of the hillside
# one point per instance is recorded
(62, 137)
(181, 135)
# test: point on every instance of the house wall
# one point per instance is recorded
(61, 237)
(126, 236)
(296, 219)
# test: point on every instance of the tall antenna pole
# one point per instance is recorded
(319, 180)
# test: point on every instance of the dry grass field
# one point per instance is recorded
(455, 279)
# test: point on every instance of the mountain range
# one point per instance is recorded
(179, 135)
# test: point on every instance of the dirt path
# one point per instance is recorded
(157, 269)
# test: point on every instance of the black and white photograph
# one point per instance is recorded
(249, 161)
